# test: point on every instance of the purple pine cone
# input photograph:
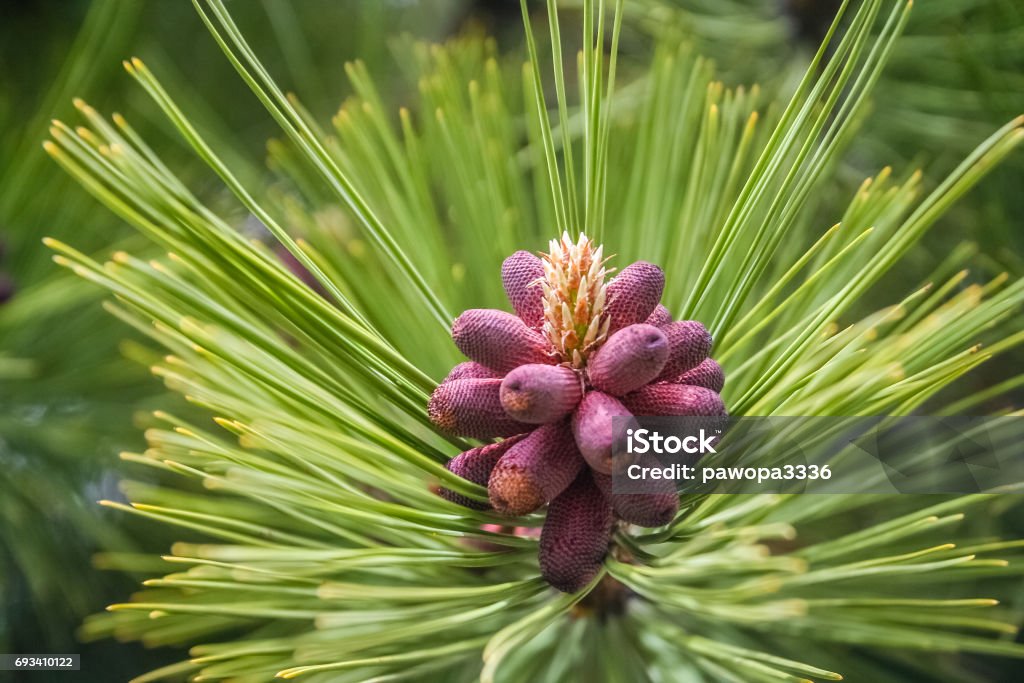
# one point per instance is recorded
(630, 358)
(470, 370)
(519, 275)
(633, 294)
(660, 317)
(499, 340)
(472, 407)
(708, 375)
(575, 538)
(475, 465)
(689, 343)
(656, 508)
(674, 399)
(539, 394)
(579, 352)
(592, 428)
(534, 470)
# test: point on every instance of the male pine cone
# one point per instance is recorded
(548, 381)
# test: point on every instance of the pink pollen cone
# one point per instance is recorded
(674, 399)
(689, 343)
(592, 428)
(499, 340)
(472, 407)
(475, 465)
(575, 538)
(656, 508)
(534, 470)
(630, 358)
(708, 375)
(633, 294)
(539, 394)
(660, 317)
(470, 370)
(519, 271)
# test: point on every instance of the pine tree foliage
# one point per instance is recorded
(957, 66)
(316, 547)
(951, 78)
(70, 381)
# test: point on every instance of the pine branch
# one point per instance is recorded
(324, 544)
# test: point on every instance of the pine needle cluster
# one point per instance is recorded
(317, 548)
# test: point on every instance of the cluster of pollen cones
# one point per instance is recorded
(548, 380)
